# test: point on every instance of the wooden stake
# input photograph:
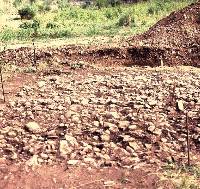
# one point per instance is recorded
(188, 140)
(161, 62)
(34, 55)
(2, 86)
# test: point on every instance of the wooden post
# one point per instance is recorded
(188, 140)
(2, 86)
(161, 62)
(34, 55)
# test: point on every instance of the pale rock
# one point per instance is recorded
(111, 115)
(109, 183)
(12, 134)
(152, 127)
(180, 105)
(89, 160)
(134, 145)
(105, 137)
(132, 127)
(41, 84)
(65, 148)
(33, 161)
(124, 124)
(44, 156)
(33, 127)
(73, 162)
(96, 123)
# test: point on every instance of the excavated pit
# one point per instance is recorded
(174, 40)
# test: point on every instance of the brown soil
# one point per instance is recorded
(60, 176)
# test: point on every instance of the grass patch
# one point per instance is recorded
(75, 21)
(183, 177)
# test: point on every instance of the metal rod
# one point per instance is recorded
(188, 140)
(2, 86)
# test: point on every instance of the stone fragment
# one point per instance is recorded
(73, 162)
(180, 105)
(33, 127)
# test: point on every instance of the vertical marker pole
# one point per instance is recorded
(2, 86)
(188, 140)
(34, 55)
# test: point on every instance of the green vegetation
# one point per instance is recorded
(79, 21)
(27, 12)
(183, 177)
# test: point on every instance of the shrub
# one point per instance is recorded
(44, 8)
(108, 14)
(27, 13)
(35, 24)
(112, 13)
(155, 7)
(101, 3)
(52, 25)
(125, 20)
(63, 4)
(107, 3)
(25, 25)
(114, 3)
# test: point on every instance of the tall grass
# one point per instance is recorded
(74, 21)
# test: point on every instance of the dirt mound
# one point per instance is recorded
(177, 35)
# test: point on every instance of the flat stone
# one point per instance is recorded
(73, 162)
(124, 124)
(33, 127)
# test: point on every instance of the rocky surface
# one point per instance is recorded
(116, 116)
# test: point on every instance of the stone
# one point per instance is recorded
(68, 145)
(134, 145)
(84, 102)
(33, 127)
(111, 115)
(44, 156)
(157, 131)
(179, 105)
(65, 148)
(132, 127)
(71, 140)
(73, 162)
(152, 127)
(89, 160)
(33, 161)
(124, 124)
(152, 102)
(41, 84)
(109, 183)
(12, 134)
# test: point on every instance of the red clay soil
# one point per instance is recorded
(60, 176)
(174, 39)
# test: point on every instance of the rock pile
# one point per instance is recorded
(121, 117)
